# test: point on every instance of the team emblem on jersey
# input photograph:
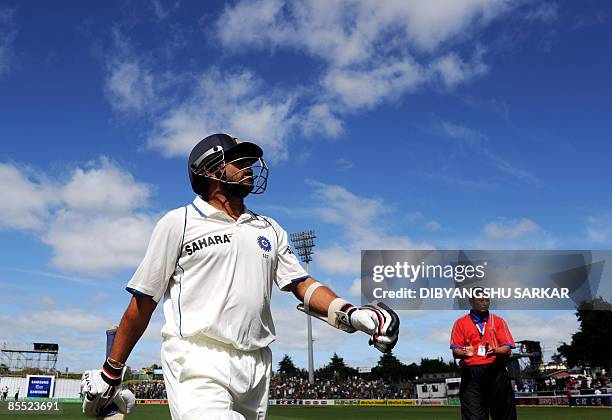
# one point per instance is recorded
(264, 243)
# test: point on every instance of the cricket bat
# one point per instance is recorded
(111, 412)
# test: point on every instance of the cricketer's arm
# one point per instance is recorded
(320, 300)
(133, 324)
(377, 320)
(101, 385)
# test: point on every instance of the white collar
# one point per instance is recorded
(208, 210)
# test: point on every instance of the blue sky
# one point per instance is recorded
(453, 124)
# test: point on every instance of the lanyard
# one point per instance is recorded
(481, 328)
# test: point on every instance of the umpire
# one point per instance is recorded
(483, 343)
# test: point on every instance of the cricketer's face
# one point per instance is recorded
(240, 171)
(480, 304)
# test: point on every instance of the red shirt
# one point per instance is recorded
(489, 330)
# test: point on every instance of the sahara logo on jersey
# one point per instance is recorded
(264, 243)
(206, 242)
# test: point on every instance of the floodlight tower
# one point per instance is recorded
(303, 243)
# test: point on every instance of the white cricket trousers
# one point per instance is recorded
(207, 379)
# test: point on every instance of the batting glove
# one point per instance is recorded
(101, 388)
(376, 320)
(125, 401)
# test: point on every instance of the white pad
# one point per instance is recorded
(311, 289)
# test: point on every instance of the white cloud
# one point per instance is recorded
(344, 33)
(550, 332)
(130, 86)
(25, 199)
(93, 220)
(457, 131)
(344, 165)
(98, 245)
(38, 322)
(292, 331)
(546, 12)
(452, 70)
(362, 221)
(369, 51)
(372, 53)
(319, 119)
(522, 233)
(433, 226)
(79, 333)
(161, 11)
(368, 47)
(414, 216)
(476, 140)
(510, 229)
(599, 229)
(235, 102)
(366, 88)
(104, 186)
(107, 179)
(8, 34)
(355, 289)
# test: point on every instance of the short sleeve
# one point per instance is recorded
(153, 274)
(457, 339)
(288, 268)
(502, 333)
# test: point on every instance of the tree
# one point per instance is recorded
(590, 345)
(411, 371)
(336, 369)
(556, 358)
(286, 367)
(389, 368)
(438, 366)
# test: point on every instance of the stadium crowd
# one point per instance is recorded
(298, 388)
(154, 390)
(582, 384)
(282, 387)
(351, 388)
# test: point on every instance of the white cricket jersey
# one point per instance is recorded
(216, 273)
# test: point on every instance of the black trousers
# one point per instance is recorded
(486, 390)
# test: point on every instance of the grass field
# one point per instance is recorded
(73, 412)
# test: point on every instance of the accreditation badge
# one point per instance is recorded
(482, 351)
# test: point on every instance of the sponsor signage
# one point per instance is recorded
(312, 403)
(592, 401)
(346, 402)
(552, 400)
(432, 401)
(372, 402)
(401, 403)
(152, 401)
(40, 386)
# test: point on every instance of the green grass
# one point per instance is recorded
(73, 412)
